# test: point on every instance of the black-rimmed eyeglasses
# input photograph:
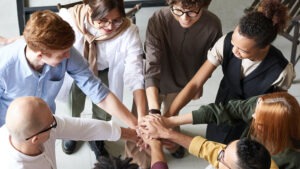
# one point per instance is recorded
(220, 158)
(53, 125)
(179, 12)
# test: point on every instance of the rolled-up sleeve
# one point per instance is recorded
(208, 150)
(215, 54)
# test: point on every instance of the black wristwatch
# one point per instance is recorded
(154, 111)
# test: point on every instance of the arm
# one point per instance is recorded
(195, 84)
(226, 113)
(128, 134)
(78, 69)
(154, 52)
(157, 156)
(155, 127)
(140, 101)
(112, 105)
(153, 97)
(134, 69)
(174, 121)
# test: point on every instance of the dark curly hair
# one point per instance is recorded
(112, 162)
(264, 24)
(252, 155)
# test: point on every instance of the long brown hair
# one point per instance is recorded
(276, 123)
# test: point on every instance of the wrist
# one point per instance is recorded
(155, 111)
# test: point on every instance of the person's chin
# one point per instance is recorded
(238, 57)
(185, 25)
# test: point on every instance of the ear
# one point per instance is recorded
(35, 139)
(39, 54)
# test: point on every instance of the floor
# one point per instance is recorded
(84, 158)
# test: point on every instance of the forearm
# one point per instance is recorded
(175, 121)
(188, 92)
(113, 106)
(128, 134)
(140, 101)
(156, 152)
(178, 138)
(153, 97)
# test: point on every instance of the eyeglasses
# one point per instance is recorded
(115, 22)
(220, 158)
(53, 125)
(179, 12)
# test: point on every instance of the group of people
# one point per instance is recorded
(252, 124)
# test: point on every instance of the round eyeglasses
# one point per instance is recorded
(53, 125)
(220, 158)
(106, 22)
(179, 12)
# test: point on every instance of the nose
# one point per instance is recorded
(109, 26)
(184, 16)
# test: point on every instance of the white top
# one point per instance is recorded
(284, 81)
(67, 128)
(123, 55)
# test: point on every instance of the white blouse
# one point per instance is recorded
(123, 55)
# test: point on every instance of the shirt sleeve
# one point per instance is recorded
(153, 52)
(286, 77)
(78, 69)
(230, 113)
(215, 54)
(208, 150)
(86, 129)
(133, 74)
(160, 165)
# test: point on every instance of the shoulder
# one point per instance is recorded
(162, 15)
(10, 53)
(211, 19)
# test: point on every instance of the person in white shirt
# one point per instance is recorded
(112, 46)
(29, 134)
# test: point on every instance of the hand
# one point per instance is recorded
(153, 127)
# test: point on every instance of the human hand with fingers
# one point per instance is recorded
(153, 126)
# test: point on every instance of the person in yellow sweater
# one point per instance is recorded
(244, 153)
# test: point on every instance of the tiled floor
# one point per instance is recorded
(83, 158)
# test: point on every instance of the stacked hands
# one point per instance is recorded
(152, 129)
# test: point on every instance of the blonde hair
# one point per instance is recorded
(45, 30)
(276, 123)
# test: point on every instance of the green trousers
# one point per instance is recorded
(77, 100)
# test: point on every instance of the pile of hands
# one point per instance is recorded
(153, 129)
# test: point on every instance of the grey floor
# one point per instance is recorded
(228, 11)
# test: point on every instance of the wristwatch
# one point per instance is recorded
(154, 111)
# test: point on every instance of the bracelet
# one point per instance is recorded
(154, 111)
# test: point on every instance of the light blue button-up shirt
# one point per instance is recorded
(18, 79)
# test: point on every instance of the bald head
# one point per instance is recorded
(26, 115)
